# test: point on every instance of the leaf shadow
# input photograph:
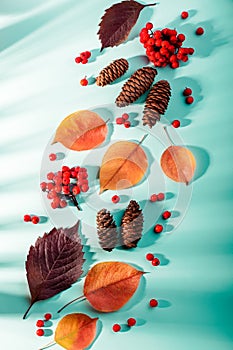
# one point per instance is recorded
(144, 17)
(12, 303)
(203, 161)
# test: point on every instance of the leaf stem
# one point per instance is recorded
(154, 3)
(169, 137)
(48, 345)
(143, 139)
(70, 302)
(72, 196)
(27, 311)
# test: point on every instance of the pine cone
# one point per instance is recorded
(112, 72)
(106, 230)
(131, 225)
(136, 86)
(156, 102)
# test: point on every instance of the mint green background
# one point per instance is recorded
(39, 87)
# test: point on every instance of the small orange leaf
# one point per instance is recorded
(178, 163)
(82, 130)
(109, 285)
(123, 165)
(75, 331)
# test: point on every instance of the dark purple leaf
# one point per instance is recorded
(54, 263)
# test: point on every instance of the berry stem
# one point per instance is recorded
(70, 302)
(72, 196)
(27, 311)
(169, 137)
(48, 345)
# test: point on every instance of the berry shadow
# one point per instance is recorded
(48, 332)
(91, 80)
(60, 155)
(48, 323)
(163, 304)
(175, 214)
(163, 260)
(43, 219)
(132, 119)
(202, 161)
(169, 195)
(95, 53)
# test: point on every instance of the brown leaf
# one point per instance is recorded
(76, 331)
(82, 130)
(54, 263)
(109, 285)
(123, 165)
(118, 21)
(178, 163)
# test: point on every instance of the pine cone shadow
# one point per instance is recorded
(88, 254)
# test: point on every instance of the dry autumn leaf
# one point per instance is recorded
(178, 163)
(82, 130)
(124, 165)
(75, 332)
(109, 285)
(118, 21)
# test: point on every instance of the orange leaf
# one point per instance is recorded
(109, 285)
(123, 165)
(82, 130)
(178, 163)
(76, 331)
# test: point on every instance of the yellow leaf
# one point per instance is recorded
(76, 331)
(123, 165)
(82, 130)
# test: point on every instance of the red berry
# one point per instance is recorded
(84, 188)
(35, 220)
(155, 262)
(127, 124)
(84, 82)
(43, 186)
(66, 174)
(151, 42)
(189, 100)
(115, 199)
(47, 316)
(84, 61)
(57, 188)
(50, 176)
(65, 168)
(160, 196)
(176, 123)
(57, 180)
(40, 332)
(65, 189)
(184, 14)
(149, 26)
(158, 228)
(77, 168)
(55, 203)
(83, 55)
(125, 116)
(187, 91)
(66, 181)
(50, 186)
(153, 197)
(52, 156)
(78, 59)
(173, 58)
(116, 327)
(63, 203)
(153, 303)
(175, 65)
(181, 37)
(191, 51)
(119, 121)
(149, 256)
(166, 215)
(73, 174)
(199, 31)
(87, 54)
(131, 322)
(184, 59)
(76, 190)
(40, 323)
(27, 218)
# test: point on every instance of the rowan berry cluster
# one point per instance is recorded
(65, 185)
(164, 47)
(83, 57)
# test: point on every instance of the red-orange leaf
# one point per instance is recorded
(76, 331)
(118, 21)
(109, 285)
(178, 163)
(82, 130)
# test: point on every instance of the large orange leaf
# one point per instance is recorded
(123, 165)
(76, 331)
(178, 163)
(82, 130)
(109, 285)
